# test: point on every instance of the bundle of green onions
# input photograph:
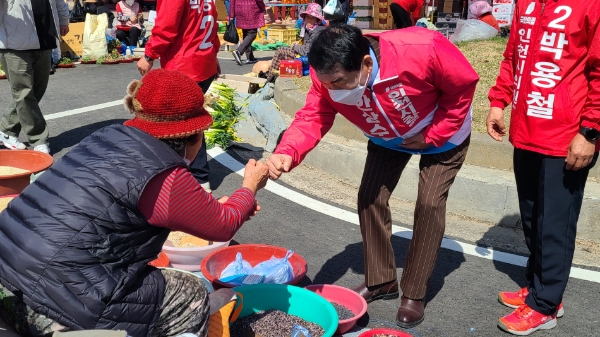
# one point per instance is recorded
(219, 101)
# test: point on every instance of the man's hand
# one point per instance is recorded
(279, 163)
(64, 30)
(495, 124)
(416, 142)
(144, 66)
(581, 153)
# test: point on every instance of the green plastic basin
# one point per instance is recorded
(292, 300)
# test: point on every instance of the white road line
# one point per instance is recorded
(231, 163)
(486, 253)
(83, 110)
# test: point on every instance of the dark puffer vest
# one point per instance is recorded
(74, 243)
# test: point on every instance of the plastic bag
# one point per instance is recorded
(238, 267)
(333, 10)
(94, 37)
(468, 30)
(278, 271)
(231, 34)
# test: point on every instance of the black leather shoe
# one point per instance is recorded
(386, 291)
(411, 313)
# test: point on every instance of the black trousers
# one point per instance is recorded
(550, 198)
(199, 166)
(130, 38)
(246, 45)
(401, 17)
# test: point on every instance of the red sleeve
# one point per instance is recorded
(310, 124)
(501, 94)
(175, 200)
(118, 8)
(166, 27)
(456, 79)
(590, 115)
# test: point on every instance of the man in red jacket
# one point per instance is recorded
(551, 75)
(410, 91)
(185, 39)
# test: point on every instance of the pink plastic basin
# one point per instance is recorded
(345, 297)
(374, 332)
(214, 263)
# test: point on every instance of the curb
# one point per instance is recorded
(480, 192)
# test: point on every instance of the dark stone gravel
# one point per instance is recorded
(273, 323)
(343, 312)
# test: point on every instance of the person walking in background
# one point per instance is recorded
(129, 16)
(29, 31)
(183, 41)
(410, 91)
(249, 17)
(483, 11)
(406, 12)
(334, 21)
(550, 77)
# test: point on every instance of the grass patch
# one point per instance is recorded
(485, 56)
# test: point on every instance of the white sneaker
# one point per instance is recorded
(11, 142)
(206, 187)
(45, 148)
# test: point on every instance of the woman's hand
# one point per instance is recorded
(257, 207)
(255, 175)
(133, 19)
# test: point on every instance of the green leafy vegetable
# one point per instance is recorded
(220, 103)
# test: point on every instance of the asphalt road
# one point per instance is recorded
(462, 295)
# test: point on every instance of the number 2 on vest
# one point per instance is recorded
(208, 21)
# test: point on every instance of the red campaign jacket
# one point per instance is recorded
(424, 84)
(551, 74)
(185, 37)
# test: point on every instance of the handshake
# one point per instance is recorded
(257, 173)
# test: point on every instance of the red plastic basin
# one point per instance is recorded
(214, 263)
(374, 332)
(345, 297)
(32, 161)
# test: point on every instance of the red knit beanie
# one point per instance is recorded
(167, 104)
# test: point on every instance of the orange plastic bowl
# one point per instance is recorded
(32, 161)
(214, 263)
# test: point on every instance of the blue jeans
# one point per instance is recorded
(227, 2)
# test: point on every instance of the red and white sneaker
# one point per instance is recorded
(516, 299)
(525, 321)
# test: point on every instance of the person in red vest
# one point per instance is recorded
(185, 38)
(550, 78)
(406, 12)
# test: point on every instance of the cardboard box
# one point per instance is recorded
(363, 24)
(362, 3)
(448, 17)
(73, 42)
(503, 2)
(503, 9)
(361, 13)
(448, 6)
(503, 20)
(290, 68)
(243, 84)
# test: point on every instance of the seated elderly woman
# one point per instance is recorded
(483, 11)
(75, 245)
(130, 17)
(313, 24)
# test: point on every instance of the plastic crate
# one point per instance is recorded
(286, 36)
